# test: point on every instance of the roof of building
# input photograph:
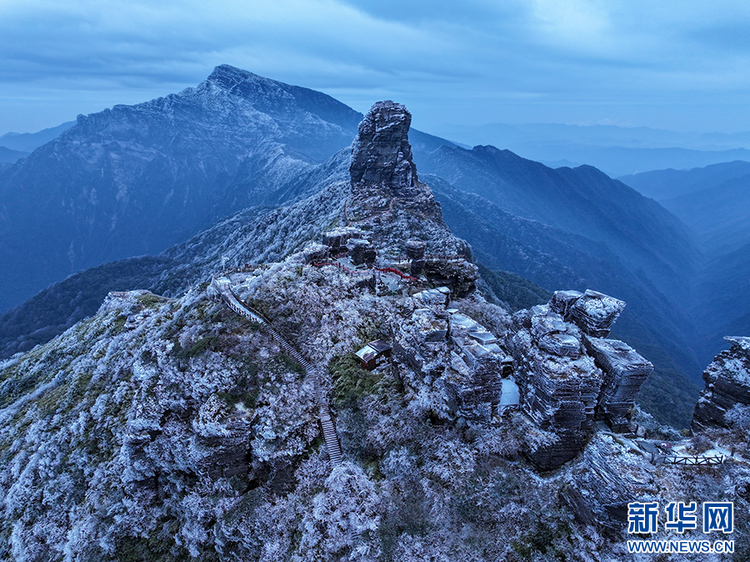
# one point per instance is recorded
(379, 345)
(373, 350)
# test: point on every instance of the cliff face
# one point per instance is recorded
(570, 375)
(385, 186)
(382, 153)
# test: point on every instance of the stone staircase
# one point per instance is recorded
(333, 447)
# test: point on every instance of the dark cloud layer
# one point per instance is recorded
(669, 64)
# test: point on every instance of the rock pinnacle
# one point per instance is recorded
(382, 155)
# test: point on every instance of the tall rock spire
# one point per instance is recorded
(383, 174)
(393, 208)
(382, 153)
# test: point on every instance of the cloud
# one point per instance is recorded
(483, 59)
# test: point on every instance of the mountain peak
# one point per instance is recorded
(390, 203)
(228, 76)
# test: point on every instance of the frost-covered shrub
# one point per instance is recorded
(344, 519)
(738, 417)
(450, 461)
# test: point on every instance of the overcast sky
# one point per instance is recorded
(682, 65)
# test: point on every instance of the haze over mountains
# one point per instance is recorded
(236, 421)
(613, 149)
(137, 180)
(27, 142)
(714, 202)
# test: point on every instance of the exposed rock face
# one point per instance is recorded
(382, 153)
(337, 238)
(559, 386)
(361, 251)
(597, 493)
(567, 377)
(457, 274)
(592, 312)
(388, 200)
(624, 373)
(383, 175)
(727, 385)
(485, 362)
(457, 363)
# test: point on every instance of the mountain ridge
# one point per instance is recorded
(162, 178)
(280, 170)
(583, 201)
(178, 429)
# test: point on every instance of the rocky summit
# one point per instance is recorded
(382, 153)
(342, 389)
(384, 179)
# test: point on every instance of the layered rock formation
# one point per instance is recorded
(597, 493)
(385, 186)
(457, 365)
(727, 386)
(382, 153)
(624, 373)
(568, 376)
(397, 212)
(592, 311)
(559, 384)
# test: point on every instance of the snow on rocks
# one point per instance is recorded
(727, 387)
(564, 385)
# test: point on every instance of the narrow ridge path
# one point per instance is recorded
(230, 298)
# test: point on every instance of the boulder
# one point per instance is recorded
(597, 493)
(594, 313)
(415, 249)
(433, 297)
(361, 251)
(315, 253)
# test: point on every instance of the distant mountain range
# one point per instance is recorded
(27, 142)
(198, 176)
(8, 156)
(615, 150)
(137, 179)
(581, 201)
(715, 203)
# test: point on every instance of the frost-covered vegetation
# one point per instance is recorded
(116, 435)
(174, 429)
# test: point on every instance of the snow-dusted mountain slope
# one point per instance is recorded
(138, 179)
(174, 429)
